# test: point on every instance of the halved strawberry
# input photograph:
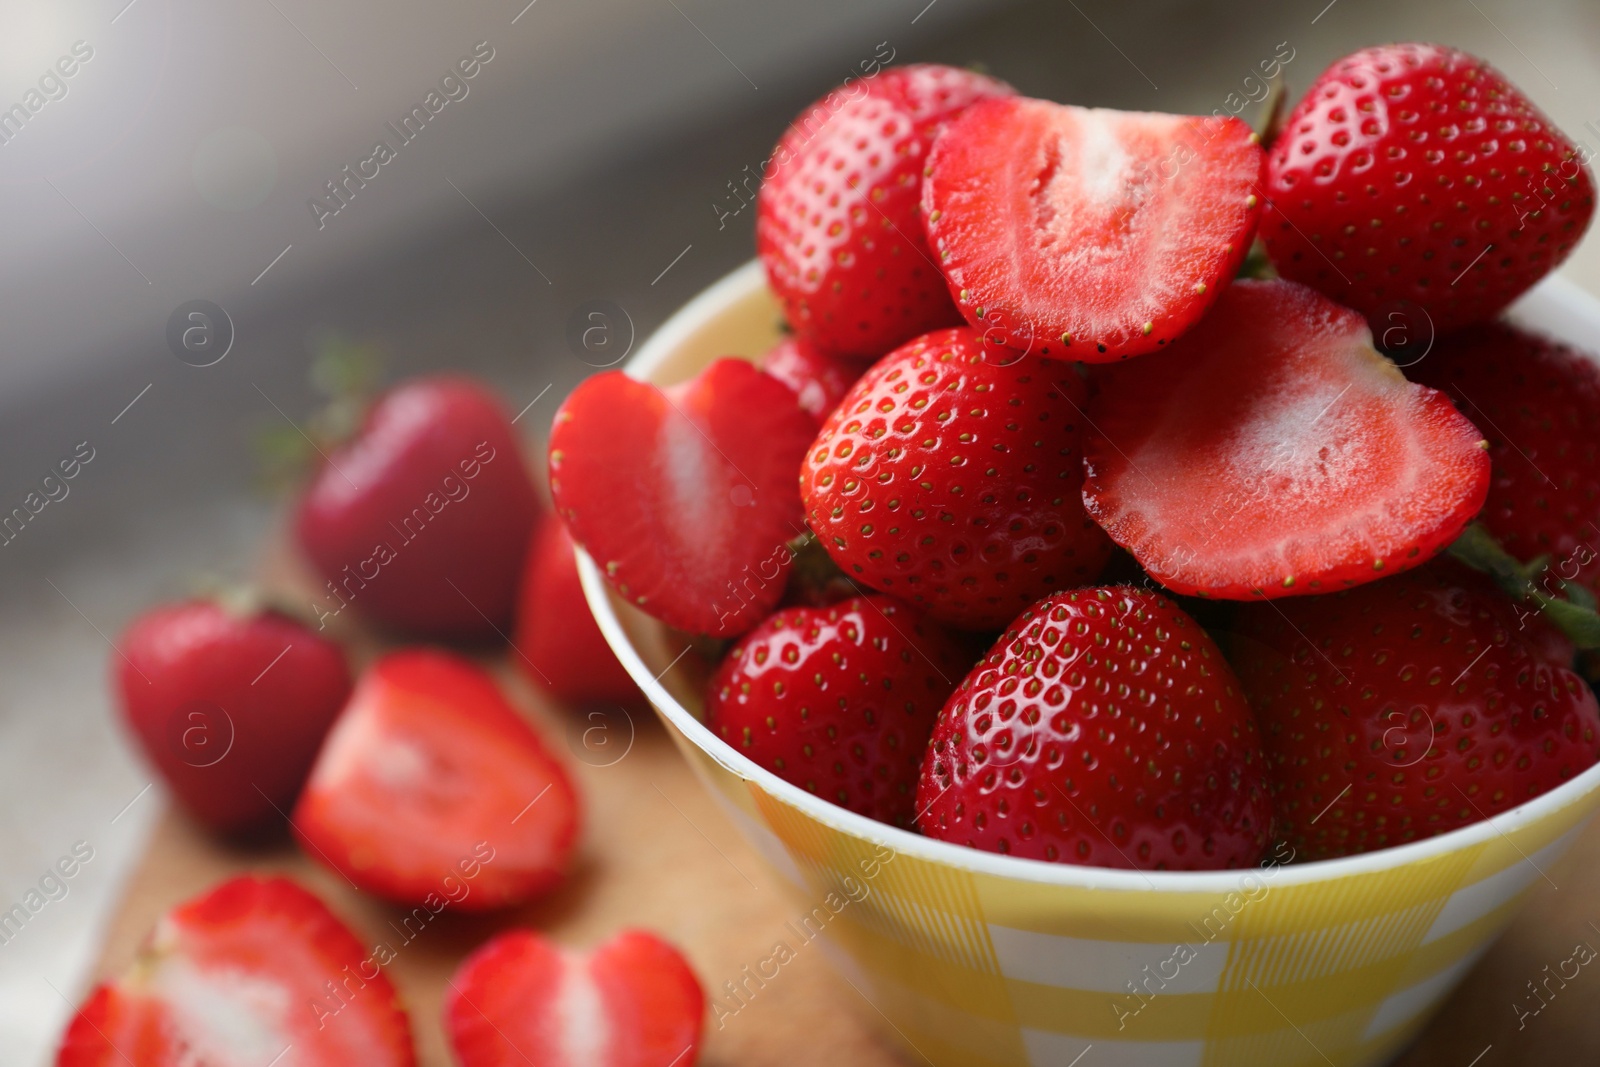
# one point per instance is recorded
(818, 379)
(235, 978)
(557, 643)
(1089, 234)
(432, 787)
(1273, 452)
(837, 223)
(521, 1000)
(685, 497)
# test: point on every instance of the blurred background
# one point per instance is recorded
(209, 151)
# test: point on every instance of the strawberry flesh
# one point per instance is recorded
(1089, 234)
(820, 380)
(839, 700)
(838, 223)
(1273, 452)
(1103, 729)
(431, 781)
(685, 498)
(1408, 708)
(236, 976)
(952, 481)
(520, 1000)
(1414, 176)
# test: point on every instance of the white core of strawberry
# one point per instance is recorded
(227, 1017)
(688, 470)
(581, 1015)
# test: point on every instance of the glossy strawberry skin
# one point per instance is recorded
(432, 787)
(230, 708)
(1272, 452)
(557, 644)
(838, 223)
(1400, 167)
(1089, 234)
(686, 497)
(820, 380)
(1408, 708)
(1538, 403)
(248, 964)
(421, 522)
(1103, 729)
(953, 482)
(839, 700)
(632, 1002)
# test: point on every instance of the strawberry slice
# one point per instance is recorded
(1273, 452)
(686, 497)
(520, 1000)
(237, 976)
(820, 380)
(433, 788)
(1089, 234)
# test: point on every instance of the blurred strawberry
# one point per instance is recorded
(421, 522)
(820, 380)
(231, 707)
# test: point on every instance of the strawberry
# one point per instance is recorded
(1417, 173)
(839, 700)
(685, 497)
(521, 1000)
(970, 508)
(1105, 729)
(837, 221)
(1272, 452)
(820, 380)
(229, 706)
(421, 521)
(1539, 402)
(557, 642)
(1408, 708)
(237, 976)
(1088, 234)
(431, 785)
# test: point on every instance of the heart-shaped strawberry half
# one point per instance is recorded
(237, 977)
(686, 497)
(631, 1002)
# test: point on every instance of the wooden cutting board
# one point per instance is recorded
(658, 853)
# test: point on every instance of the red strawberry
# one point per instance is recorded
(953, 481)
(230, 707)
(1089, 234)
(819, 379)
(422, 521)
(1273, 452)
(1539, 403)
(557, 642)
(838, 225)
(839, 700)
(237, 976)
(1416, 172)
(1103, 729)
(686, 497)
(1409, 707)
(432, 786)
(520, 1000)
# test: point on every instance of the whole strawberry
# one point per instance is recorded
(231, 707)
(838, 223)
(1408, 708)
(954, 482)
(1416, 172)
(1538, 403)
(1104, 729)
(839, 700)
(421, 522)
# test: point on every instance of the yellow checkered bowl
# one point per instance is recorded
(977, 959)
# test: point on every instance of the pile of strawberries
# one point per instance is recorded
(418, 782)
(1041, 399)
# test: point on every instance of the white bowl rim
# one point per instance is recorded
(737, 285)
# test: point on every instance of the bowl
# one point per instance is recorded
(975, 958)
